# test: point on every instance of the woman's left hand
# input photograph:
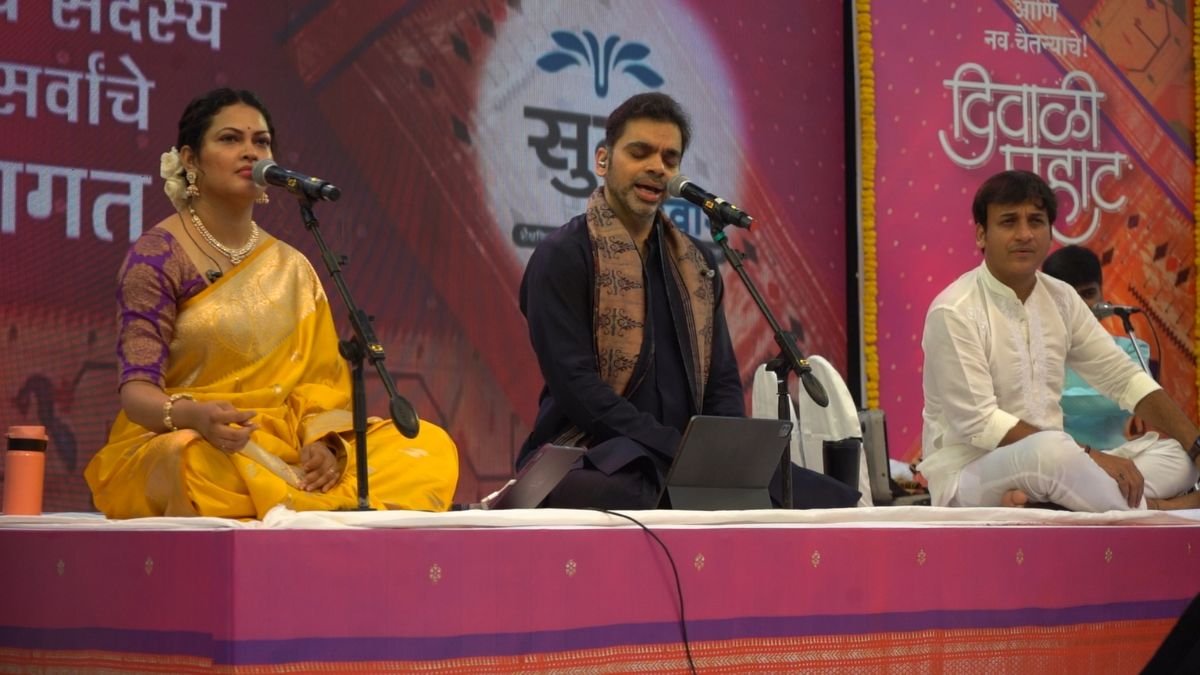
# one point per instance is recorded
(321, 470)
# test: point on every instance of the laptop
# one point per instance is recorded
(725, 463)
(537, 478)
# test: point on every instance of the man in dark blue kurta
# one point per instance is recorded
(625, 317)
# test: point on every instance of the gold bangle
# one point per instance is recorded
(170, 403)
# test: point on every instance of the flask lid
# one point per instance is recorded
(27, 437)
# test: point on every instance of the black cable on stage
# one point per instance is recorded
(687, 648)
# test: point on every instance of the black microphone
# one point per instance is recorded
(1103, 310)
(267, 172)
(723, 211)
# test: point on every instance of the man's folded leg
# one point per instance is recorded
(615, 475)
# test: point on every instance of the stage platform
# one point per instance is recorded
(898, 590)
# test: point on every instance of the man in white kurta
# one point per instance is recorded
(997, 342)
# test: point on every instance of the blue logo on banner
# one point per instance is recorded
(573, 52)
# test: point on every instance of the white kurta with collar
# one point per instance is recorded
(991, 360)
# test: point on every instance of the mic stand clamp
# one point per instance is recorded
(362, 345)
(790, 359)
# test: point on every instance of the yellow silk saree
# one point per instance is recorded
(262, 337)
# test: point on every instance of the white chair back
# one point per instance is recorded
(837, 421)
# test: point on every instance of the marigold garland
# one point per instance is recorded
(866, 102)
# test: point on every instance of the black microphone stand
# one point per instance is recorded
(789, 360)
(1133, 338)
(362, 345)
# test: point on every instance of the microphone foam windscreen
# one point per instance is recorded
(675, 185)
(259, 172)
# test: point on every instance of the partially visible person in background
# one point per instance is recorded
(1093, 420)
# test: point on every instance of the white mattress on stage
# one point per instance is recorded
(874, 517)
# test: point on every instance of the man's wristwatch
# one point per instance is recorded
(1194, 451)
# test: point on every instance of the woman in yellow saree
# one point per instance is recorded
(234, 397)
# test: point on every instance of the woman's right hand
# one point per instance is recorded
(224, 426)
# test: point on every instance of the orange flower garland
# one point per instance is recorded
(870, 238)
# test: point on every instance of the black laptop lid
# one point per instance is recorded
(725, 463)
(537, 478)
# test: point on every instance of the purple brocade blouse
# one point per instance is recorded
(155, 279)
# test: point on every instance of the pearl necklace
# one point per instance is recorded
(235, 255)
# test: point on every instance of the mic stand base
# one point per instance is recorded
(352, 352)
(780, 367)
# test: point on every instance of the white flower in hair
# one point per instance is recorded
(170, 167)
(169, 164)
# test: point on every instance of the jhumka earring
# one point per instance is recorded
(263, 198)
(192, 190)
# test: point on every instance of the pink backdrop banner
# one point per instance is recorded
(1097, 97)
(459, 132)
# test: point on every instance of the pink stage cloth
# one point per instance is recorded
(900, 590)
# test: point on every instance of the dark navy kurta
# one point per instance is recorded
(557, 300)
